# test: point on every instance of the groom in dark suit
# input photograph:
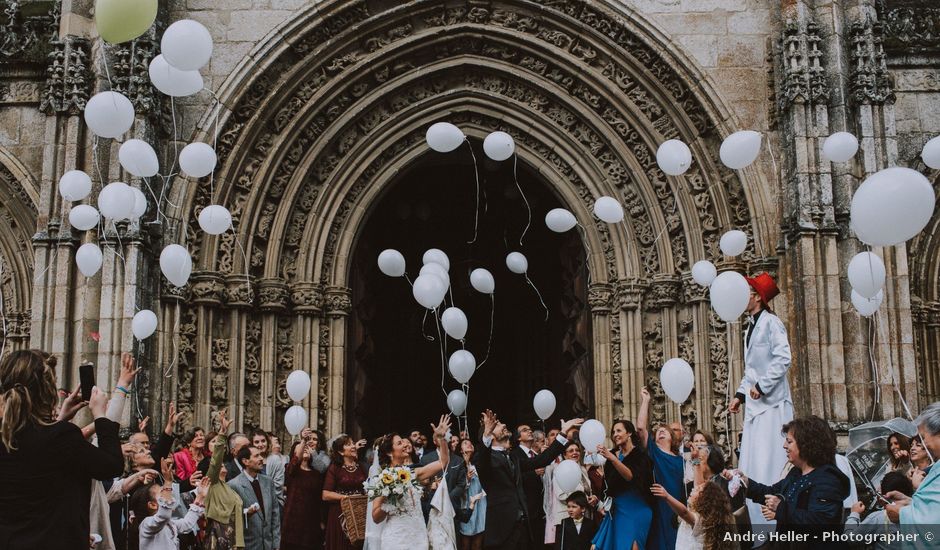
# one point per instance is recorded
(507, 526)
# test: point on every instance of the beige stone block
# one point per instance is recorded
(695, 23)
(254, 25)
(699, 6)
(701, 47)
(10, 119)
(752, 21)
(216, 22)
(291, 4)
(222, 5)
(742, 84)
(742, 51)
(226, 59)
(929, 109)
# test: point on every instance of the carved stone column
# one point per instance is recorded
(307, 304)
(338, 304)
(246, 350)
(273, 294)
(630, 371)
(606, 346)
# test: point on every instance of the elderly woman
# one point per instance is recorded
(924, 507)
(555, 502)
(668, 470)
(809, 499)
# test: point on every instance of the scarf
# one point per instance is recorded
(222, 503)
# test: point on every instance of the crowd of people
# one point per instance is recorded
(657, 486)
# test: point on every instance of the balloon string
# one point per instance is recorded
(874, 368)
(728, 393)
(489, 344)
(156, 200)
(176, 341)
(537, 293)
(55, 252)
(587, 251)
(405, 275)
(466, 422)
(424, 323)
(476, 172)
(528, 208)
(773, 161)
(176, 144)
(238, 242)
(894, 378)
(437, 323)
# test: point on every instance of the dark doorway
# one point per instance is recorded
(395, 365)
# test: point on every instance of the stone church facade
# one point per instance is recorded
(317, 105)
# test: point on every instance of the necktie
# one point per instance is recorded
(531, 453)
(256, 486)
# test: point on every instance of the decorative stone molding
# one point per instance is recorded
(692, 292)
(130, 62)
(804, 79)
(630, 295)
(338, 301)
(664, 291)
(172, 293)
(272, 295)
(600, 298)
(25, 27)
(207, 288)
(910, 26)
(68, 77)
(307, 297)
(239, 291)
(871, 83)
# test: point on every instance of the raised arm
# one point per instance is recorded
(642, 418)
(104, 461)
(680, 509)
(443, 451)
(615, 463)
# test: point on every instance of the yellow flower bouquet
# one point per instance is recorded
(393, 484)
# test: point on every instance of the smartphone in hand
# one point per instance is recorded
(86, 376)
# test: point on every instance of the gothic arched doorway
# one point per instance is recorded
(395, 357)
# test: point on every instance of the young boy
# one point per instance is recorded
(576, 531)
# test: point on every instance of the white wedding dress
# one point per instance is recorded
(404, 527)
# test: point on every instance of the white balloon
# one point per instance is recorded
(457, 402)
(892, 206)
(215, 219)
(608, 210)
(295, 419)
(140, 204)
(499, 146)
(109, 114)
(198, 159)
(482, 281)
(544, 404)
(704, 272)
(74, 185)
(867, 307)
(677, 379)
(144, 324)
(436, 256)
(931, 153)
(444, 137)
(866, 274)
(298, 385)
(730, 294)
(567, 475)
(176, 264)
(172, 81)
(840, 147)
(740, 149)
(454, 321)
(186, 45)
(592, 434)
(392, 263)
(560, 220)
(116, 201)
(436, 269)
(517, 262)
(83, 217)
(88, 257)
(674, 157)
(139, 158)
(429, 290)
(462, 365)
(733, 243)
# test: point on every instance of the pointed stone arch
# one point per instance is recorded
(326, 111)
(18, 216)
(923, 256)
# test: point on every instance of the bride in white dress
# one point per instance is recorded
(404, 527)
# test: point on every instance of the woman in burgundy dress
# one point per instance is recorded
(343, 478)
(302, 526)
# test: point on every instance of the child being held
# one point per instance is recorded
(576, 531)
(704, 523)
(152, 507)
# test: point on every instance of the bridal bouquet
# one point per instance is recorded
(393, 484)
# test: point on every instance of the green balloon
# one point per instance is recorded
(122, 20)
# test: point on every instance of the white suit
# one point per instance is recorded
(766, 362)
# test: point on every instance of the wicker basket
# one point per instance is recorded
(353, 517)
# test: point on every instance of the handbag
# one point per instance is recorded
(353, 517)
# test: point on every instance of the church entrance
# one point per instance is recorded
(394, 376)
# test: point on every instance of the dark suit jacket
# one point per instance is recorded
(456, 481)
(568, 538)
(231, 470)
(534, 491)
(501, 476)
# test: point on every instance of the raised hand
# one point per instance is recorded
(658, 490)
(98, 404)
(306, 434)
(202, 490)
(224, 422)
(142, 425)
(361, 444)
(644, 393)
(128, 372)
(166, 468)
(442, 427)
(488, 418)
(567, 425)
(196, 478)
(71, 405)
(605, 452)
(172, 418)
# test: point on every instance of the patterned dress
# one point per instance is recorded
(339, 480)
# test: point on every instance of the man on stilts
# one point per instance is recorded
(765, 393)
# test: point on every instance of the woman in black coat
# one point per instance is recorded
(809, 499)
(46, 466)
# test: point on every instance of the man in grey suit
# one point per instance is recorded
(257, 491)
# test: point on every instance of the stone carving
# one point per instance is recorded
(599, 297)
(272, 295)
(130, 62)
(664, 291)
(21, 36)
(68, 78)
(220, 354)
(206, 288)
(239, 291)
(338, 301)
(871, 82)
(910, 26)
(219, 387)
(252, 372)
(306, 297)
(721, 380)
(323, 380)
(804, 74)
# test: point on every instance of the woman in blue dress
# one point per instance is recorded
(668, 471)
(628, 475)
(471, 531)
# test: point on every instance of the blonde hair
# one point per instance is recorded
(27, 393)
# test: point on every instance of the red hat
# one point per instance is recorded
(764, 286)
